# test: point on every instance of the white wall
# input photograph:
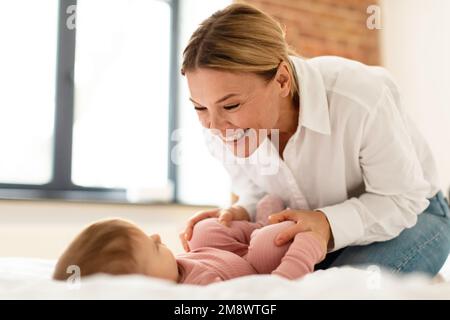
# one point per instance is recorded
(415, 42)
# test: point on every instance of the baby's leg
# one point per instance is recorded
(303, 254)
(263, 254)
(211, 233)
(266, 206)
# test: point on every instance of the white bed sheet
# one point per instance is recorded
(28, 278)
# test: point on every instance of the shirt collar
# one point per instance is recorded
(313, 113)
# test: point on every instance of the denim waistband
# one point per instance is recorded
(439, 205)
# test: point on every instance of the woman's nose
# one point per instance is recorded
(218, 123)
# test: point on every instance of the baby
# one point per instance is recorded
(217, 253)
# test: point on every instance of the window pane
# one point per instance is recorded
(121, 93)
(28, 33)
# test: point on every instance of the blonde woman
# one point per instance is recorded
(342, 152)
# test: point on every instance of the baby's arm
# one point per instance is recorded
(303, 254)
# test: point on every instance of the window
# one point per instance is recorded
(121, 93)
(85, 112)
(28, 35)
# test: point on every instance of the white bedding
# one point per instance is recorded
(27, 278)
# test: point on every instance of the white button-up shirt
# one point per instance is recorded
(356, 155)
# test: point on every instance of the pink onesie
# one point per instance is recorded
(221, 253)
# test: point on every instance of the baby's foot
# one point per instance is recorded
(266, 206)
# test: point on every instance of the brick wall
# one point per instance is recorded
(326, 27)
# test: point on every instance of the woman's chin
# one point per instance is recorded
(244, 147)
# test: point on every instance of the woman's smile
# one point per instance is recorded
(232, 136)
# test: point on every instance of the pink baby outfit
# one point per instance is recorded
(221, 253)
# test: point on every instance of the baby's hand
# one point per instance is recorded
(232, 213)
(225, 216)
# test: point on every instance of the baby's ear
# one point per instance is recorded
(59, 272)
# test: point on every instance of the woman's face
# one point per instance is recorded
(232, 104)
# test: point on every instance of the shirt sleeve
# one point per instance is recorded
(395, 187)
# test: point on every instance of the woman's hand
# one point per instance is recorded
(225, 217)
(306, 220)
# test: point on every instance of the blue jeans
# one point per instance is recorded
(423, 248)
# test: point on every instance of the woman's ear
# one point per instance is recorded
(283, 79)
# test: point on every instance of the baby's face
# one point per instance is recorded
(158, 260)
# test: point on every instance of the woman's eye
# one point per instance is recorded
(234, 106)
(199, 108)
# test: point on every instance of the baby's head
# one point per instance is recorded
(116, 246)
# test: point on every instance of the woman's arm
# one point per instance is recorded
(395, 187)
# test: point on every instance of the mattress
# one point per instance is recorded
(30, 278)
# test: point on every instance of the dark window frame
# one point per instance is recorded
(61, 185)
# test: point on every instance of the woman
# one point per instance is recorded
(328, 135)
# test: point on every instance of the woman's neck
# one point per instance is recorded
(288, 123)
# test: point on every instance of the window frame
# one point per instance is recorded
(61, 185)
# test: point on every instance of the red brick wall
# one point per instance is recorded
(326, 27)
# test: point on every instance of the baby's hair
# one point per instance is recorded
(103, 247)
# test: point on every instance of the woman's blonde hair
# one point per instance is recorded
(240, 38)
